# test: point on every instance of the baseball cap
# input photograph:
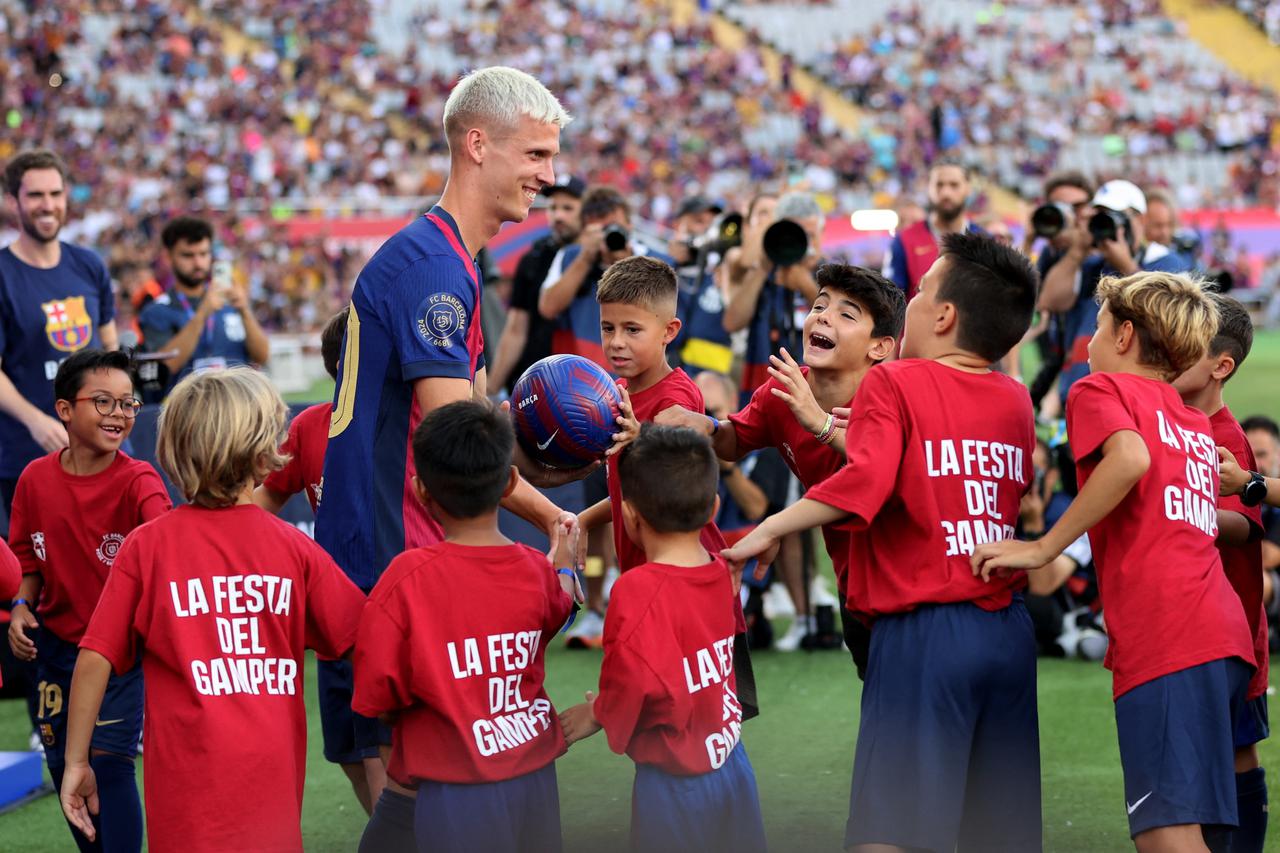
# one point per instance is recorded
(1120, 196)
(570, 184)
(696, 204)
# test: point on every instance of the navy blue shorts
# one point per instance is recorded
(520, 814)
(948, 751)
(349, 738)
(119, 723)
(1176, 746)
(718, 812)
(1253, 723)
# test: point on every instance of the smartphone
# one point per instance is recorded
(222, 277)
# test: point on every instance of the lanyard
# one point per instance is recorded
(191, 312)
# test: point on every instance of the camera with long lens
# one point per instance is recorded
(616, 238)
(1051, 219)
(724, 234)
(785, 243)
(1108, 224)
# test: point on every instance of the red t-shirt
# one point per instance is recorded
(10, 575)
(308, 437)
(222, 603)
(1243, 563)
(668, 693)
(1168, 603)
(68, 529)
(674, 389)
(768, 422)
(938, 462)
(467, 680)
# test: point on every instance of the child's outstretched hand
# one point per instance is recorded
(628, 426)
(679, 416)
(1007, 556)
(759, 543)
(579, 721)
(1231, 477)
(796, 393)
(80, 798)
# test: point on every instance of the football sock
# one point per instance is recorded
(1251, 803)
(84, 844)
(390, 828)
(120, 808)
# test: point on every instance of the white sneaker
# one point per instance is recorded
(820, 596)
(777, 603)
(790, 641)
(587, 631)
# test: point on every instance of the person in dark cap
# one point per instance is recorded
(527, 335)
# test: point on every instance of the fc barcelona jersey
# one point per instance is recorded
(414, 315)
(45, 316)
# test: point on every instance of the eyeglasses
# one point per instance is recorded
(129, 406)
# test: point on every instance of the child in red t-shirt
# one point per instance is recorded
(1240, 533)
(474, 731)
(220, 599)
(71, 510)
(305, 445)
(638, 320)
(668, 692)
(1180, 650)
(853, 325)
(939, 455)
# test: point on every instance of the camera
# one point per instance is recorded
(724, 234)
(615, 238)
(1108, 224)
(785, 243)
(1049, 219)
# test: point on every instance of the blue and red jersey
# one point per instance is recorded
(415, 314)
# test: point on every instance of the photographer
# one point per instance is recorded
(568, 295)
(766, 297)
(915, 247)
(1110, 240)
(526, 337)
(701, 236)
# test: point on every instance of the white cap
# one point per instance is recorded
(1120, 196)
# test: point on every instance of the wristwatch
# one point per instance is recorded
(1255, 491)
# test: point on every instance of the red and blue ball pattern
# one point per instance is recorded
(564, 408)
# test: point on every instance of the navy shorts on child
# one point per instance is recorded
(349, 738)
(119, 725)
(716, 812)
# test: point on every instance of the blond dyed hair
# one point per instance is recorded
(219, 431)
(1173, 317)
(495, 98)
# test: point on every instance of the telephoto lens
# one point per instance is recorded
(1049, 219)
(785, 243)
(615, 238)
(1107, 225)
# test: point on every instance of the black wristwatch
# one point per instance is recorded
(1255, 491)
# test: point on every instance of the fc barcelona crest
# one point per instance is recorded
(67, 324)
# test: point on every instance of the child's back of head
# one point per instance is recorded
(219, 434)
(993, 288)
(462, 455)
(1234, 335)
(1172, 315)
(669, 475)
(331, 340)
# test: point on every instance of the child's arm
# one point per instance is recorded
(269, 499)
(579, 722)
(79, 787)
(723, 434)
(1125, 459)
(1233, 478)
(798, 396)
(22, 619)
(1233, 528)
(762, 542)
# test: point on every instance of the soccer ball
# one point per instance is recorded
(564, 408)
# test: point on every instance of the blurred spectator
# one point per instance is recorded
(915, 247)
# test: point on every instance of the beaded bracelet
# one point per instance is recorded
(828, 430)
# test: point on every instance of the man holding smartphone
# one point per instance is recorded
(204, 322)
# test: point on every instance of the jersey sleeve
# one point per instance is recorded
(10, 573)
(334, 605)
(1236, 442)
(428, 310)
(113, 630)
(752, 424)
(874, 444)
(559, 602)
(382, 670)
(1095, 412)
(30, 558)
(150, 496)
(625, 684)
(289, 480)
